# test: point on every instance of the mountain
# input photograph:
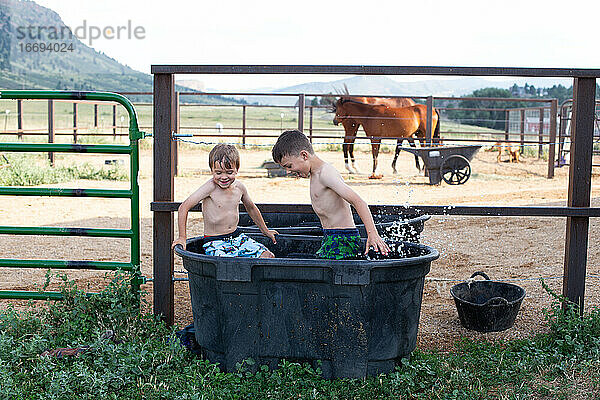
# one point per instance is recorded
(27, 28)
(382, 85)
(193, 84)
(38, 51)
(29, 37)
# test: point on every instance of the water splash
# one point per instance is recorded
(402, 230)
(398, 250)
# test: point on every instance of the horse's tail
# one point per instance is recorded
(436, 131)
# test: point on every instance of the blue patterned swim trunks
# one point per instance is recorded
(234, 244)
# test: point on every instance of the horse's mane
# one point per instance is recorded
(344, 92)
(340, 92)
(344, 101)
(352, 101)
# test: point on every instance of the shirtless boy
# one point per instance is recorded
(330, 197)
(220, 197)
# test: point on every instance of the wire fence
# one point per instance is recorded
(82, 119)
(268, 145)
(259, 124)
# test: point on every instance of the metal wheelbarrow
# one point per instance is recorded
(450, 163)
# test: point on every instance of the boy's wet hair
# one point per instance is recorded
(291, 143)
(225, 154)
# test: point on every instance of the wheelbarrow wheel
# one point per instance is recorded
(455, 170)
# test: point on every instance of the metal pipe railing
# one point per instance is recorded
(133, 193)
(60, 231)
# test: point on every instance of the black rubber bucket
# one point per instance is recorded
(352, 318)
(398, 227)
(487, 306)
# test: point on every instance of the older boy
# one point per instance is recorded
(330, 197)
(220, 197)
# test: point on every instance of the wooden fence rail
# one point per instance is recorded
(579, 173)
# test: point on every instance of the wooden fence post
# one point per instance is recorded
(522, 131)
(20, 119)
(163, 223)
(74, 122)
(429, 134)
(580, 179)
(301, 112)
(114, 121)
(552, 138)
(51, 128)
(310, 124)
(176, 130)
(244, 126)
(541, 133)
(562, 134)
(95, 115)
(507, 125)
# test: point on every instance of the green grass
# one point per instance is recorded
(143, 360)
(31, 170)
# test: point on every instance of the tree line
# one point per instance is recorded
(496, 119)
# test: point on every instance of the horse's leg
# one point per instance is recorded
(411, 141)
(351, 139)
(348, 146)
(345, 147)
(351, 149)
(398, 144)
(375, 143)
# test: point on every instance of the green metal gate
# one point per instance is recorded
(133, 266)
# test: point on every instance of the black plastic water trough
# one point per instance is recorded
(358, 317)
(400, 227)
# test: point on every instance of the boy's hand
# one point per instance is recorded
(271, 234)
(375, 241)
(177, 241)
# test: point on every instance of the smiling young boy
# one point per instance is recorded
(330, 197)
(220, 197)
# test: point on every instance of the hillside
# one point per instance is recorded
(78, 67)
(382, 85)
(24, 24)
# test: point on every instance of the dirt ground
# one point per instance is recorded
(520, 249)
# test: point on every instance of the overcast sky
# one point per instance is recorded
(507, 33)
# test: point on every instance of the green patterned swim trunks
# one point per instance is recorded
(338, 244)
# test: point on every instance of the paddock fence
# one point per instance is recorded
(132, 194)
(252, 124)
(565, 130)
(577, 212)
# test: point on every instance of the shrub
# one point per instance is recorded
(30, 170)
(143, 360)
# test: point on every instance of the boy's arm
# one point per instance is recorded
(335, 182)
(182, 212)
(255, 214)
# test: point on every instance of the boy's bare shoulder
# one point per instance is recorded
(330, 168)
(239, 184)
(329, 172)
(209, 185)
(207, 188)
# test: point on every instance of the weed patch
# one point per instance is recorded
(142, 359)
(31, 170)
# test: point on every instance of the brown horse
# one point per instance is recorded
(351, 125)
(381, 121)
